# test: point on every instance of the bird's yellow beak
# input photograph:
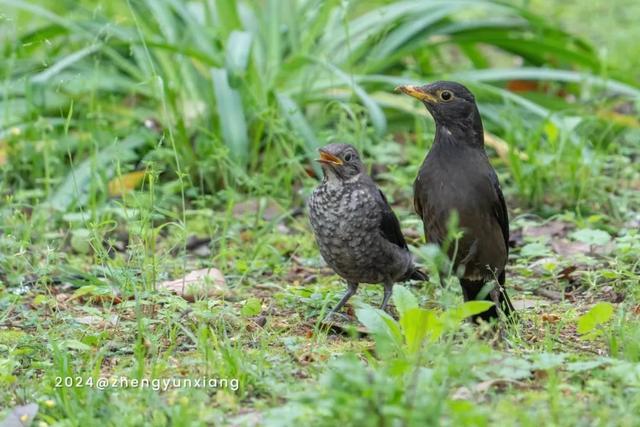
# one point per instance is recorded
(328, 158)
(417, 92)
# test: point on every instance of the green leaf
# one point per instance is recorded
(237, 52)
(80, 240)
(468, 309)
(591, 236)
(586, 365)
(419, 325)
(589, 323)
(227, 15)
(512, 368)
(231, 113)
(379, 323)
(252, 307)
(291, 111)
(64, 63)
(76, 345)
(535, 249)
(400, 37)
(404, 300)
(548, 360)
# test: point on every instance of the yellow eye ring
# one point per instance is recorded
(446, 95)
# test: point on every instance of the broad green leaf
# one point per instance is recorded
(548, 360)
(76, 345)
(468, 309)
(165, 17)
(512, 368)
(353, 37)
(586, 365)
(238, 50)
(589, 323)
(419, 325)
(80, 240)
(404, 300)
(252, 307)
(65, 62)
(380, 323)
(535, 249)
(297, 121)
(273, 29)
(399, 37)
(301, 127)
(591, 236)
(232, 118)
(226, 15)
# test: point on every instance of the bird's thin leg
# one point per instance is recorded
(388, 290)
(351, 290)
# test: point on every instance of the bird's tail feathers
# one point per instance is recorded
(417, 274)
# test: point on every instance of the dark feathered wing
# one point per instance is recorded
(502, 216)
(389, 224)
(500, 211)
(390, 229)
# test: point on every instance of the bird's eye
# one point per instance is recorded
(446, 95)
(348, 157)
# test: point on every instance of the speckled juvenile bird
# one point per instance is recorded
(358, 234)
(456, 176)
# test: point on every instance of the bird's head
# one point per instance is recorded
(451, 104)
(340, 162)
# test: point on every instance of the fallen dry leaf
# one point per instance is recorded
(306, 358)
(566, 247)
(550, 317)
(256, 323)
(551, 228)
(125, 183)
(206, 282)
(566, 273)
(523, 86)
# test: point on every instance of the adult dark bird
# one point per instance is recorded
(456, 176)
(358, 234)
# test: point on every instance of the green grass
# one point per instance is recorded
(220, 105)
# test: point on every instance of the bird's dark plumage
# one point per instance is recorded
(456, 176)
(358, 234)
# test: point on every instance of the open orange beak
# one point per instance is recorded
(417, 92)
(328, 158)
